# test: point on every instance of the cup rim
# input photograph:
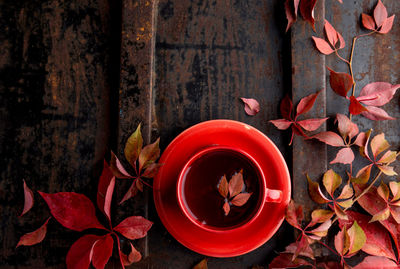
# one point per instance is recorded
(185, 211)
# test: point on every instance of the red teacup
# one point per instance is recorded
(197, 189)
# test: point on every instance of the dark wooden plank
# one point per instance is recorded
(208, 54)
(308, 76)
(54, 123)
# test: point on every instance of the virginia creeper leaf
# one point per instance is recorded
(152, 170)
(322, 45)
(363, 175)
(340, 213)
(72, 210)
(116, 167)
(133, 146)
(322, 229)
(373, 262)
(321, 215)
(367, 21)
(346, 127)
(387, 170)
(331, 33)
(306, 252)
(344, 156)
(307, 11)
(395, 189)
(241, 199)
(306, 103)
(102, 251)
(81, 252)
(133, 256)
(347, 192)
(388, 157)
(355, 107)
(314, 191)
(387, 25)
(132, 191)
(34, 237)
(286, 108)
(340, 245)
(357, 238)
(284, 260)
(28, 199)
(291, 13)
(105, 190)
(201, 265)
(340, 83)
(251, 106)
(379, 144)
(236, 184)
(381, 215)
(331, 181)
(223, 188)
(281, 124)
(376, 113)
(377, 93)
(134, 227)
(380, 13)
(329, 138)
(360, 140)
(149, 154)
(294, 214)
(311, 124)
(383, 191)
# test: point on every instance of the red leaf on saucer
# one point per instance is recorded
(236, 184)
(241, 199)
(134, 227)
(34, 237)
(28, 199)
(251, 106)
(223, 187)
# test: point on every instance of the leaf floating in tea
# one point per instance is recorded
(233, 192)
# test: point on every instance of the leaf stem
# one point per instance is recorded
(369, 187)
(328, 247)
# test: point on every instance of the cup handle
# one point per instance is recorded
(273, 196)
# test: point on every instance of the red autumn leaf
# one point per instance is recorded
(294, 214)
(374, 262)
(321, 215)
(34, 237)
(284, 260)
(346, 127)
(223, 188)
(333, 35)
(302, 246)
(133, 256)
(133, 146)
(367, 21)
(226, 207)
(81, 252)
(306, 103)
(311, 124)
(379, 144)
(139, 184)
(201, 265)
(116, 167)
(105, 190)
(291, 12)
(344, 156)
(132, 191)
(342, 242)
(322, 45)
(241, 199)
(340, 83)
(72, 210)
(320, 231)
(286, 108)
(236, 184)
(380, 13)
(134, 227)
(102, 251)
(355, 107)
(330, 138)
(28, 199)
(378, 243)
(376, 113)
(281, 124)
(331, 181)
(363, 175)
(149, 154)
(152, 170)
(306, 252)
(298, 131)
(251, 106)
(387, 25)
(377, 93)
(395, 189)
(329, 265)
(307, 11)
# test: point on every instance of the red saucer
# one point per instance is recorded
(227, 133)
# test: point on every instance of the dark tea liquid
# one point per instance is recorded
(200, 188)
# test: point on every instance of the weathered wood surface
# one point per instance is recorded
(76, 78)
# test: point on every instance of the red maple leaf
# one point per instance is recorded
(288, 120)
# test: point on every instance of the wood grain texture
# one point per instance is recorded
(54, 129)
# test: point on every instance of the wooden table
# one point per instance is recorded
(76, 78)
